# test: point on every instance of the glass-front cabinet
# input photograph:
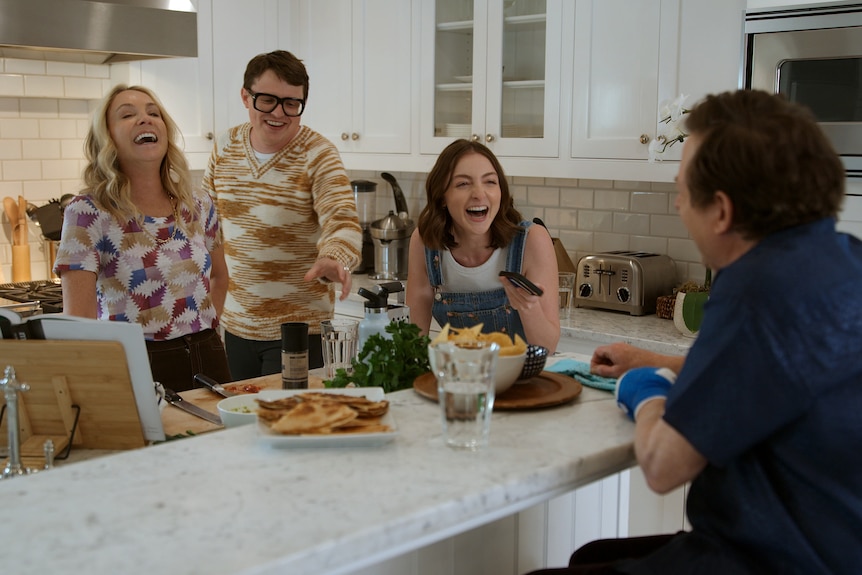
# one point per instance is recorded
(491, 72)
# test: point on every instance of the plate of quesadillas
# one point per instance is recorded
(337, 417)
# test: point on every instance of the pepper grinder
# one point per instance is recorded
(11, 387)
(294, 355)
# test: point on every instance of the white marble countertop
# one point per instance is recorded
(223, 503)
(647, 331)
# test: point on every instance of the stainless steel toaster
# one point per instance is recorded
(624, 281)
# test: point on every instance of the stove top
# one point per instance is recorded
(47, 292)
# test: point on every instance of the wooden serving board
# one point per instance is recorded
(544, 390)
(178, 422)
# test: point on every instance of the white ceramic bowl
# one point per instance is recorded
(508, 371)
(238, 410)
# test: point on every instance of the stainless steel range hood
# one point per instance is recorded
(97, 31)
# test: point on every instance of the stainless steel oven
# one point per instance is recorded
(814, 57)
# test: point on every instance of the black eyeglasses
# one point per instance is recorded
(267, 103)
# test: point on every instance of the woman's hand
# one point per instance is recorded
(520, 299)
(540, 315)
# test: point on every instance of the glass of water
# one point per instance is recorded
(567, 291)
(339, 338)
(465, 388)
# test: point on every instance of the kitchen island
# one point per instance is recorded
(223, 502)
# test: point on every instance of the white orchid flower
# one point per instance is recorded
(677, 108)
(670, 129)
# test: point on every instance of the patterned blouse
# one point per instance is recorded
(155, 276)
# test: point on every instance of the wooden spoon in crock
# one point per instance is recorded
(11, 209)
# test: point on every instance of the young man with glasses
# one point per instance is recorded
(288, 217)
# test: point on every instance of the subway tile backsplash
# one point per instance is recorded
(588, 216)
(44, 113)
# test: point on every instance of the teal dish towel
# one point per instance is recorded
(581, 371)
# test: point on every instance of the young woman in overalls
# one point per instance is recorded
(468, 231)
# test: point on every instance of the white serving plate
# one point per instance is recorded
(268, 437)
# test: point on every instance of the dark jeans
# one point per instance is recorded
(175, 362)
(250, 358)
(598, 557)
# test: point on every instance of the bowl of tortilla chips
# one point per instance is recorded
(510, 359)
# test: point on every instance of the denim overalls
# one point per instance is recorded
(490, 308)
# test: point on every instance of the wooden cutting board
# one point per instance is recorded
(178, 422)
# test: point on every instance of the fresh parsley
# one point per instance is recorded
(392, 364)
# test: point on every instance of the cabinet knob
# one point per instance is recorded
(210, 136)
(344, 136)
(354, 136)
(475, 138)
(489, 138)
(644, 138)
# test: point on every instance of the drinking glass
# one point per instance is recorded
(339, 338)
(567, 291)
(465, 389)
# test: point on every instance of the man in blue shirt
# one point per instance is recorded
(763, 416)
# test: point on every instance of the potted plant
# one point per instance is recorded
(688, 309)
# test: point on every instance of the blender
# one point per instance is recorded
(365, 194)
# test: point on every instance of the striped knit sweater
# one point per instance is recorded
(277, 219)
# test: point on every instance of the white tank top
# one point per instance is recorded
(484, 277)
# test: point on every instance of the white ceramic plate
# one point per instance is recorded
(267, 436)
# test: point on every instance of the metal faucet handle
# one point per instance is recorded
(11, 387)
(49, 454)
(10, 384)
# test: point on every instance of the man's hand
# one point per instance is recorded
(328, 270)
(638, 386)
(615, 359)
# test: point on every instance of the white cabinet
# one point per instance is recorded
(615, 78)
(491, 72)
(203, 94)
(629, 58)
(241, 30)
(650, 513)
(557, 88)
(359, 60)
(185, 87)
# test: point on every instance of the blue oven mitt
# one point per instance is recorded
(637, 386)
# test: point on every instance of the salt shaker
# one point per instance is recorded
(294, 355)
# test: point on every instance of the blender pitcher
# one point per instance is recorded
(365, 195)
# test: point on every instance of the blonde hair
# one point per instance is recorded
(110, 188)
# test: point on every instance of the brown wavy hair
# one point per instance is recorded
(285, 65)
(435, 223)
(769, 156)
(106, 183)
